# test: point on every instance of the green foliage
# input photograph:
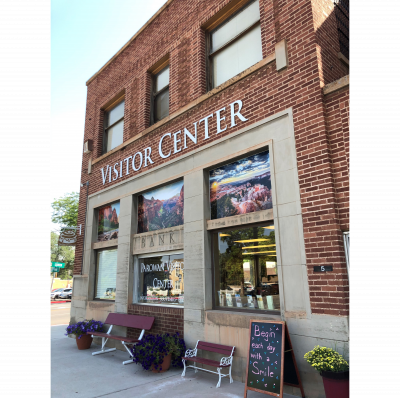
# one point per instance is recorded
(62, 254)
(326, 359)
(65, 210)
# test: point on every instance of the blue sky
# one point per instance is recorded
(85, 34)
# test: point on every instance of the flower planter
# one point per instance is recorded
(84, 342)
(164, 366)
(336, 384)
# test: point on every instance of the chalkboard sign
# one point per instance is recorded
(265, 360)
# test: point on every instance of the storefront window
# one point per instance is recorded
(108, 223)
(161, 279)
(241, 187)
(106, 274)
(161, 208)
(245, 268)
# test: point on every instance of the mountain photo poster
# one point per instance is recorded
(108, 223)
(161, 208)
(241, 187)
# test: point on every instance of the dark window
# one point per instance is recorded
(161, 279)
(342, 13)
(114, 127)
(235, 45)
(245, 269)
(160, 96)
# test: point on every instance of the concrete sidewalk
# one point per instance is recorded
(76, 373)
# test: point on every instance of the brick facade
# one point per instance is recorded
(168, 319)
(320, 122)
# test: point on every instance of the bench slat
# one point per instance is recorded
(130, 321)
(205, 361)
(221, 349)
(113, 337)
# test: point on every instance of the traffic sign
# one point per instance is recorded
(55, 269)
(57, 264)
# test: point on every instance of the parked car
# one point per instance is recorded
(66, 294)
(56, 293)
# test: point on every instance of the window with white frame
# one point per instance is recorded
(106, 274)
(114, 127)
(235, 45)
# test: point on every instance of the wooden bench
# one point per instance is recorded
(129, 321)
(225, 362)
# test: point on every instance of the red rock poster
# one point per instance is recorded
(161, 208)
(108, 225)
(241, 187)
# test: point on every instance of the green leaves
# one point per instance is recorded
(65, 210)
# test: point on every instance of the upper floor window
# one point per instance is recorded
(114, 127)
(160, 96)
(235, 45)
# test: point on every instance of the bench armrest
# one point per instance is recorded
(191, 353)
(226, 361)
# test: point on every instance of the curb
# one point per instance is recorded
(59, 302)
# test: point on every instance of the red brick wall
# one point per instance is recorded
(177, 31)
(168, 319)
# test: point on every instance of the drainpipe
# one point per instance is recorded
(84, 229)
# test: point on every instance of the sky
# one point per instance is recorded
(85, 34)
(241, 169)
(165, 192)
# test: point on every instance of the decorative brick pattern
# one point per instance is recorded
(320, 123)
(168, 319)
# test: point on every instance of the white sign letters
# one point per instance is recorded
(178, 140)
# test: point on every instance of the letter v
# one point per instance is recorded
(102, 174)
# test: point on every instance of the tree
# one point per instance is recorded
(65, 210)
(62, 254)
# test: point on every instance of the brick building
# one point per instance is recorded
(216, 151)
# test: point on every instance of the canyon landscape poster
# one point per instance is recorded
(108, 225)
(241, 187)
(161, 208)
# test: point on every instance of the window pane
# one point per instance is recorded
(241, 187)
(162, 79)
(106, 274)
(238, 56)
(245, 268)
(236, 25)
(161, 208)
(115, 114)
(161, 105)
(108, 222)
(114, 135)
(161, 279)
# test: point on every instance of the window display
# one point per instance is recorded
(241, 187)
(108, 222)
(245, 268)
(161, 279)
(161, 208)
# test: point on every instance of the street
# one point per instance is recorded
(60, 313)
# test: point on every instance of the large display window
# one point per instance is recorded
(106, 274)
(108, 222)
(245, 269)
(241, 187)
(161, 279)
(161, 208)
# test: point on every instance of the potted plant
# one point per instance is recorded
(156, 352)
(82, 330)
(333, 368)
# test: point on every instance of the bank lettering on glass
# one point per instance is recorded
(167, 283)
(264, 372)
(179, 139)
